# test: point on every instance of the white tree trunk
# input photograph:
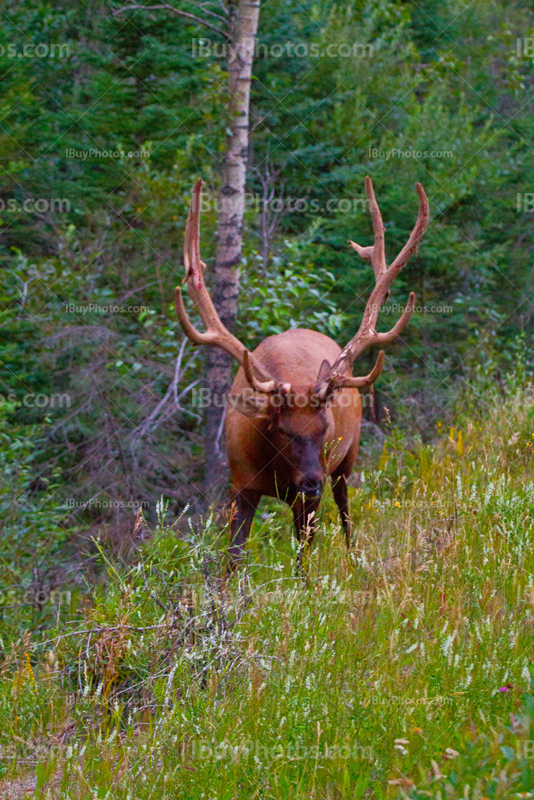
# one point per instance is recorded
(244, 25)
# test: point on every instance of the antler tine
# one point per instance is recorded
(397, 329)
(335, 381)
(350, 382)
(216, 333)
(194, 267)
(384, 275)
(189, 329)
(259, 386)
(376, 253)
(416, 235)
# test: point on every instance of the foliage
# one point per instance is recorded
(130, 666)
(102, 137)
(402, 669)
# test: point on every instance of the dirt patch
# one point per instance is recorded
(23, 788)
(18, 788)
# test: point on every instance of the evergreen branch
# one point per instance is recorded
(179, 12)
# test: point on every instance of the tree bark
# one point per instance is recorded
(225, 293)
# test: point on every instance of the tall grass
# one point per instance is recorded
(402, 668)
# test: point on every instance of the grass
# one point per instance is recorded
(401, 669)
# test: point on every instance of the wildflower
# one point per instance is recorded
(405, 783)
(450, 753)
(436, 770)
(397, 504)
(29, 670)
(504, 689)
(139, 210)
(174, 217)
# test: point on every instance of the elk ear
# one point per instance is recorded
(324, 370)
(250, 404)
(323, 386)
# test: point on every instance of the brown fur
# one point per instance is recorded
(276, 445)
(276, 451)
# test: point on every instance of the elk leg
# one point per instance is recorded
(305, 519)
(244, 504)
(341, 496)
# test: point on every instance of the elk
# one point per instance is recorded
(294, 410)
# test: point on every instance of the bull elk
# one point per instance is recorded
(294, 411)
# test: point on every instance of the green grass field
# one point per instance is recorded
(401, 669)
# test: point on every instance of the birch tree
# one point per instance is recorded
(237, 22)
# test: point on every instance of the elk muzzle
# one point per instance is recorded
(311, 485)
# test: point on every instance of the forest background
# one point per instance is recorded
(107, 120)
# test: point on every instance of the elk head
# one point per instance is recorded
(295, 419)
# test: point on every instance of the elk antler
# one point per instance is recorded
(216, 333)
(337, 377)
